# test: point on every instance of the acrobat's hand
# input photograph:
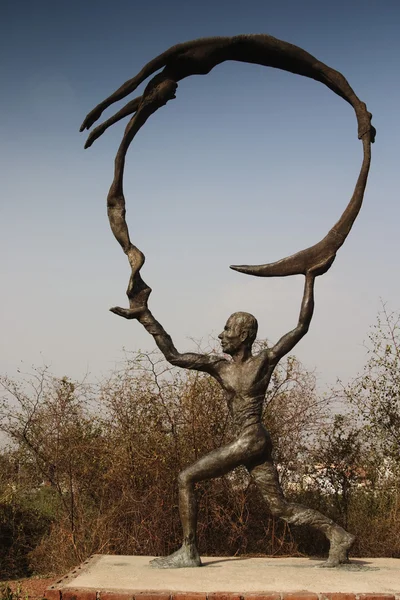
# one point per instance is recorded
(129, 313)
(93, 135)
(91, 118)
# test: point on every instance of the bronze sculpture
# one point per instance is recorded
(244, 377)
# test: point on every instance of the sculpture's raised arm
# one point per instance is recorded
(288, 341)
(187, 360)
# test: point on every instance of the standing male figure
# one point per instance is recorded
(245, 379)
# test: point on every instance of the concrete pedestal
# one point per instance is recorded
(104, 577)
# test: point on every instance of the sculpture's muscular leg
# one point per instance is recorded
(266, 478)
(216, 463)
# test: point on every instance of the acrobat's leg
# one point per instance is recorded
(266, 478)
(158, 92)
(216, 463)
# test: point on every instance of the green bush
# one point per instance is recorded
(21, 529)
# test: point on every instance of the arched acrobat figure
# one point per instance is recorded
(245, 380)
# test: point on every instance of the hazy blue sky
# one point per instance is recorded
(247, 165)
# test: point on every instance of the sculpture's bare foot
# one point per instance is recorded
(341, 542)
(182, 558)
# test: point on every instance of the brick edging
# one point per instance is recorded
(52, 593)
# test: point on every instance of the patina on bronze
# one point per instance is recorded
(244, 377)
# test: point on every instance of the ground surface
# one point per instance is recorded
(243, 575)
(29, 589)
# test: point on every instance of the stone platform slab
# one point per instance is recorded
(105, 577)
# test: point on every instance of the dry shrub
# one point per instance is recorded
(108, 458)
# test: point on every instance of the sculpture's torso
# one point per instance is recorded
(245, 385)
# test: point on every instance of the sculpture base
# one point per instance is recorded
(105, 577)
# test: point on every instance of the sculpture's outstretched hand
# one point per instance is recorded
(128, 313)
(321, 267)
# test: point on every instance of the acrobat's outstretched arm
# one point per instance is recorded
(129, 109)
(149, 69)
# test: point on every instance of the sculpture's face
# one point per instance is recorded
(233, 335)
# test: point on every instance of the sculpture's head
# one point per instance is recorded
(240, 331)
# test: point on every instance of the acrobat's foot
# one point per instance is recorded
(182, 558)
(341, 542)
